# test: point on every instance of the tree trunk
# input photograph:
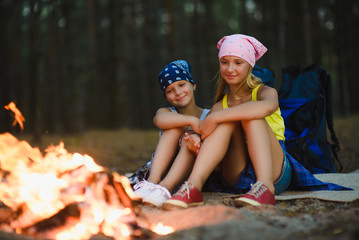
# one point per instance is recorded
(295, 52)
(52, 75)
(170, 29)
(341, 28)
(307, 32)
(33, 74)
(282, 32)
(316, 32)
(113, 112)
(94, 91)
(352, 52)
(209, 55)
(132, 69)
(152, 93)
(196, 35)
(243, 19)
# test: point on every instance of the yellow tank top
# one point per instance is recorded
(275, 120)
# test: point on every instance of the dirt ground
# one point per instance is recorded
(126, 150)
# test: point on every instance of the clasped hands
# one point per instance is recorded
(193, 139)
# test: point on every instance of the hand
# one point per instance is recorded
(193, 142)
(207, 126)
(196, 124)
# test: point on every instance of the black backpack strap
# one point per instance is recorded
(325, 80)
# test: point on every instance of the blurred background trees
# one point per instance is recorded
(72, 65)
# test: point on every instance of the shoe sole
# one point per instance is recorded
(176, 204)
(246, 202)
(150, 203)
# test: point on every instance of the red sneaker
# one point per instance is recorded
(258, 195)
(187, 196)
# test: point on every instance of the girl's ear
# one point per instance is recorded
(194, 87)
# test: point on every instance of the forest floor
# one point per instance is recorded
(125, 150)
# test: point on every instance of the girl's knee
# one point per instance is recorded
(252, 123)
(228, 126)
(172, 134)
(174, 131)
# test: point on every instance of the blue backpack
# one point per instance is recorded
(305, 100)
(266, 75)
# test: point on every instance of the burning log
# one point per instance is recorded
(62, 195)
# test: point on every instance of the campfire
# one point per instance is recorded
(60, 195)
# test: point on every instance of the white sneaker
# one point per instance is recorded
(143, 188)
(158, 195)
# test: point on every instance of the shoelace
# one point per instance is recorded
(257, 189)
(162, 190)
(185, 189)
(141, 184)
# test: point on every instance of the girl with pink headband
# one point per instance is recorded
(243, 137)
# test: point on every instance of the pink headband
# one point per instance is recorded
(239, 45)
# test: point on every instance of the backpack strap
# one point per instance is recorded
(326, 84)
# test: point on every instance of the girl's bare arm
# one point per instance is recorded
(166, 119)
(266, 104)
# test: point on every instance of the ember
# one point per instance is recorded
(62, 195)
(18, 118)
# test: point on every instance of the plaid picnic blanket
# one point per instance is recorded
(302, 180)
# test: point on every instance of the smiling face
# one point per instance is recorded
(180, 93)
(234, 70)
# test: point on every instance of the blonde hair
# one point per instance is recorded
(222, 86)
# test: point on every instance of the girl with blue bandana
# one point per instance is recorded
(177, 121)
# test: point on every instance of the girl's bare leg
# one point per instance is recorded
(264, 150)
(165, 152)
(213, 149)
(237, 156)
(180, 169)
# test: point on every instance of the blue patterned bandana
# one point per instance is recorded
(173, 72)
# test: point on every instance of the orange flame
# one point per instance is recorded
(19, 118)
(43, 185)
